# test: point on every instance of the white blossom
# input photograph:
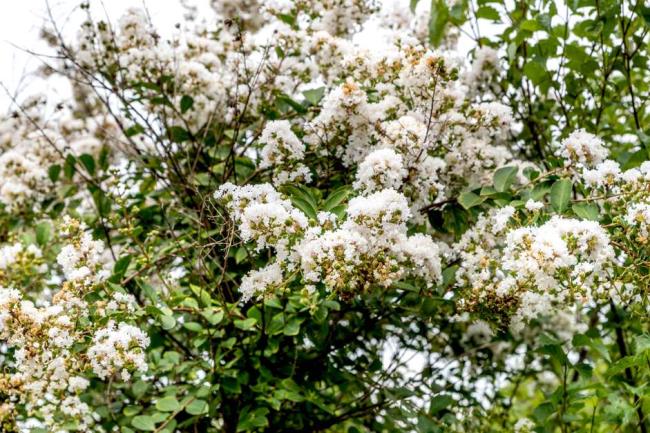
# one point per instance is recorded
(583, 148)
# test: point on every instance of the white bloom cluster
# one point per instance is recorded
(370, 248)
(585, 159)
(400, 95)
(381, 169)
(30, 144)
(534, 271)
(262, 214)
(524, 425)
(607, 176)
(483, 69)
(16, 259)
(478, 333)
(638, 215)
(118, 348)
(47, 371)
(583, 148)
(257, 281)
(607, 173)
(337, 17)
(137, 52)
(532, 205)
(82, 260)
(283, 151)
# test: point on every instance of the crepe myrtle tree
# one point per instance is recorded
(321, 216)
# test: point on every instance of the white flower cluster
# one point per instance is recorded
(524, 425)
(434, 139)
(484, 67)
(585, 156)
(533, 272)
(263, 215)
(370, 248)
(638, 216)
(138, 53)
(18, 260)
(47, 371)
(284, 152)
(583, 149)
(11, 254)
(118, 348)
(81, 261)
(257, 281)
(381, 169)
(400, 95)
(478, 333)
(30, 144)
(337, 17)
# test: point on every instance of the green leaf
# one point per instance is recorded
(88, 162)
(302, 198)
(69, 168)
(121, 265)
(543, 411)
(276, 324)
(440, 402)
(488, 12)
(249, 420)
(53, 172)
(504, 177)
(231, 385)
(214, 316)
(586, 211)
(193, 326)
(240, 255)
(288, 19)
(130, 411)
(178, 134)
(449, 276)
(304, 206)
(297, 106)
(167, 322)
(469, 200)
(293, 327)
(555, 352)
(488, 191)
(144, 423)
(458, 14)
(168, 404)
(561, 195)
(313, 96)
(43, 233)
(622, 364)
(134, 130)
(531, 25)
(246, 324)
(139, 388)
(438, 21)
(539, 191)
(186, 103)
(336, 198)
(197, 407)
(642, 343)
(585, 370)
(535, 71)
(202, 294)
